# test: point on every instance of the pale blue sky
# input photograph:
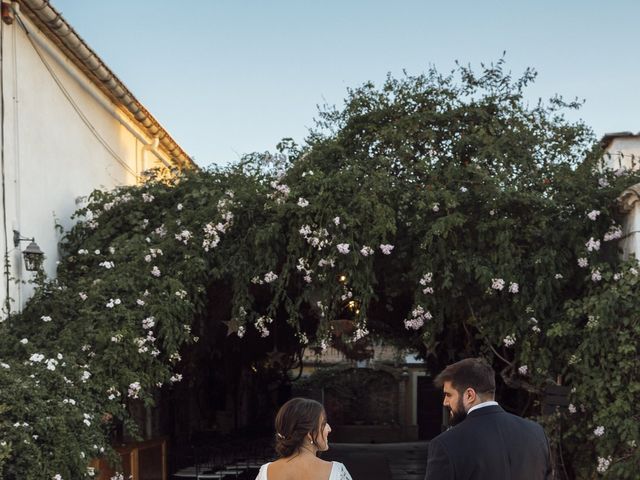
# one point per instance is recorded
(228, 77)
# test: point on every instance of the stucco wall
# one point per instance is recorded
(624, 152)
(53, 157)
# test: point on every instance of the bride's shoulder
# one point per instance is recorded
(339, 472)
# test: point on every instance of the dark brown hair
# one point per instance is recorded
(294, 420)
(473, 373)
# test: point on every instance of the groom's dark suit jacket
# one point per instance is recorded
(490, 444)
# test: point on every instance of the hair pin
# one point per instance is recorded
(280, 436)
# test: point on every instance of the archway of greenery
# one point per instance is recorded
(440, 212)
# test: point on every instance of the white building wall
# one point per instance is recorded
(52, 157)
(624, 152)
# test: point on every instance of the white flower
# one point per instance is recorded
(134, 389)
(24, 341)
(514, 287)
(558, 276)
(603, 464)
(57, 476)
(633, 271)
(497, 283)
(463, 189)
(45, 318)
(147, 197)
(596, 276)
(428, 290)
(83, 251)
(83, 296)
(270, 277)
(181, 294)
(307, 278)
(523, 370)
(572, 408)
(112, 250)
(179, 207)
(426, 278)
(148, 323)
(492, 212)
(97, 252)
(117, 338)
(592, 244)
(147, 258)
(343, 248)
(418, 317)
(617, 276)
(435, 207)
(603, 182)
(140, 302)
(184, 236)
(583, 262)
(107, 265)
(598, 431)
(336, 220)
(155, 271)
(509, 340)
(303, 202)
(85, 376)
(386, 248)
(366, 251)
(5, 365)
(176, 378)
(593, 214)
(36, 357)
(614, 233)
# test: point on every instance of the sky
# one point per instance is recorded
(230, 77)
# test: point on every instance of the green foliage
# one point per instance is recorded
(441, 212)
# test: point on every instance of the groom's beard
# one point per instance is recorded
(458, 415)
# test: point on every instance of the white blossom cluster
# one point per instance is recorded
(343, 248)
(603, 464)
(302, 202)
(497, 283)
(592, 245)
(534, 325)
(303, 267)
(161, 231)
(261, 325)
(360, 333)
(153, 253)
(270, 277)
(418, 317)
(108, 265)
(523, 370)
(317, 238)
(211, 237)
(614, 233)
(583, 262)
(366, 251)
(147, 197)
(184, 236)
(593, 214)
(281, 192)
(134, 390)
(509, 340)
(386, 249)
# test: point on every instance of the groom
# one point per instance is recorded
(486, 443)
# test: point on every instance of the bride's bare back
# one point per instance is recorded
(299, 467)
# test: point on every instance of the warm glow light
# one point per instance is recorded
(342, 278)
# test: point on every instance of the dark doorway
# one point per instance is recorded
(429, 409)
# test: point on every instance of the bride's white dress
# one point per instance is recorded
(338, 472)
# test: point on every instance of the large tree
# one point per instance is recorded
(439, 212)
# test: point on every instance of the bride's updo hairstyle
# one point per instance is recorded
(294, 420)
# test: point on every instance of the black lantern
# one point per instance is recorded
(33, 256)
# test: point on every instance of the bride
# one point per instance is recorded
(301, 432)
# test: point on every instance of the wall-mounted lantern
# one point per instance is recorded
(33, 256)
